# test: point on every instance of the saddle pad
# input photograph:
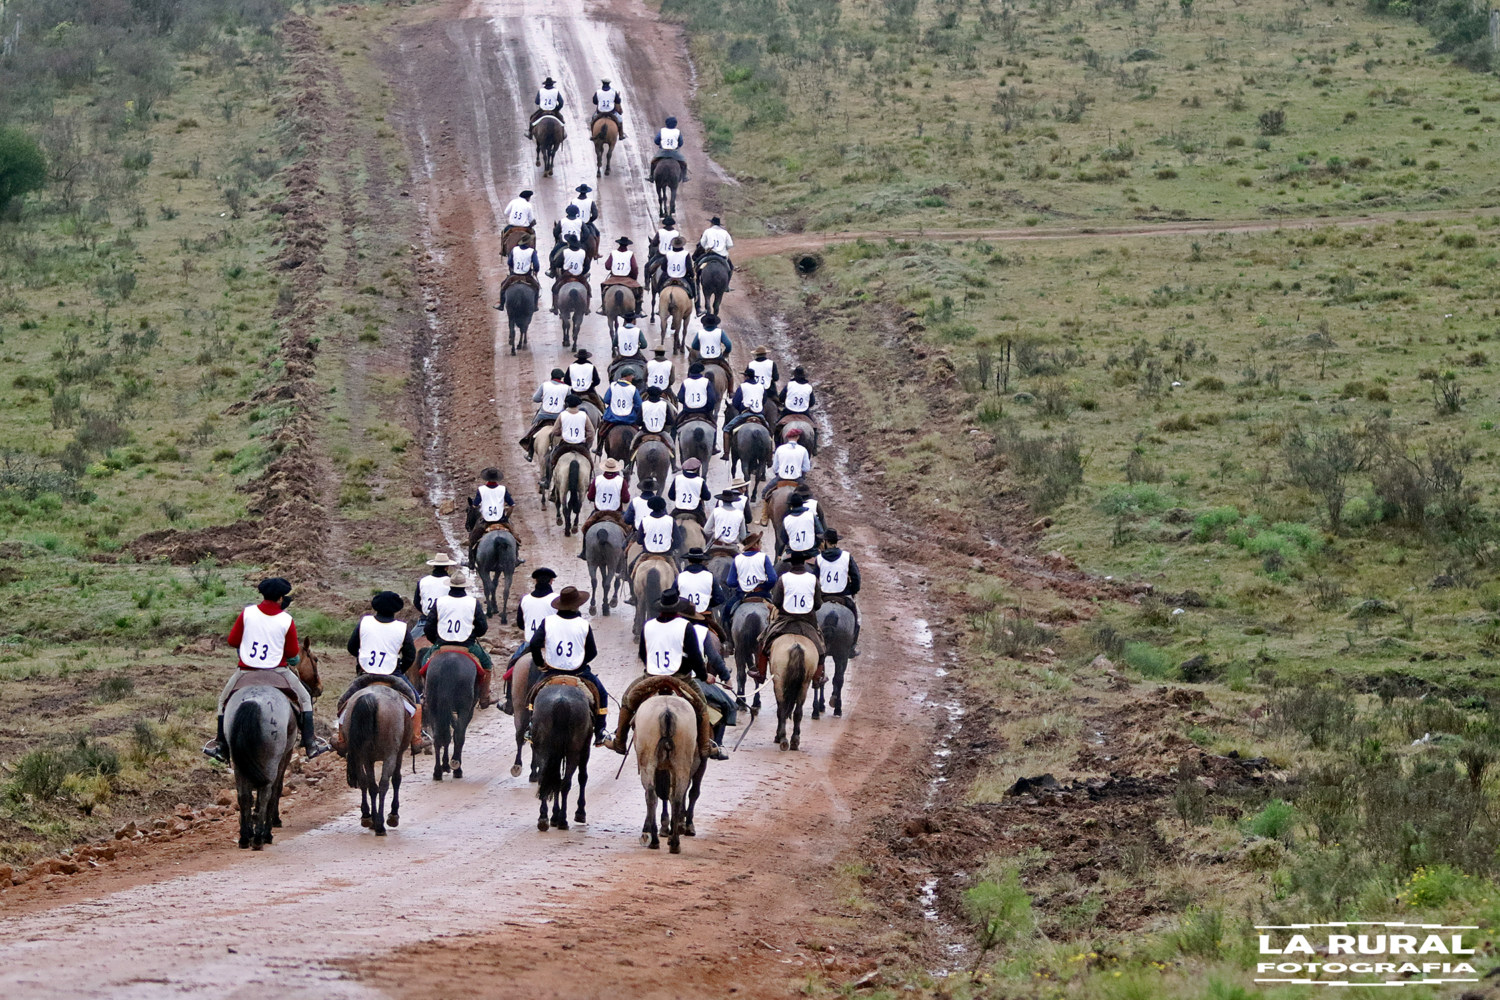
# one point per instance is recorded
(496, 526)
(478, 670)
(263, 678)
(567, 681)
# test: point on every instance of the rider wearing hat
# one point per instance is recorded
(795, 600)
(790, 462)
(564, 644)
(747, 403)
(572, 265)
(659, 369)
(677, 265)
(523, 264)
(622, 404)
(608, 103)
(686, 491)
(657, 417)
(657, 244)
(583, 378)
(531, 609)
(711, 344)
(696, 584)
(571, 224)
(673, 656)
(549, 101)
(641, 505)
(752, 574)
(714, 240)
(622, 270)
(797, 395)
(657, 532)
(588, 208)
(459, 621)
(574, 432)
(669, 140)
(739, 488)
(551, 398)
(629, 340)
(764, 369)
(429, 589)
(800, 529)
(696, 396)
(838, 578)
(382, 651)
(490, 504)
(519, 214)
(726, 522)
(610, 494)
(266, 638)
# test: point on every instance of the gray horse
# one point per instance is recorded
(695, 439)
(572, 306)
(713, 282)
(496, 557)
(666, 753)
(836, 622)
(750, 451)
(562, 733)
(448, 699)
(377, 732)
(604, 551)
(261, 728)
(519, 303)
(652, 460)
(749, 621)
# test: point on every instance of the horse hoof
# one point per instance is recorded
(268, 838)
(579, 817)
(366, 822)
(437, 774)
(515, 770)
(561, 824)
(816, 715)
(458, 772)
(838, 713)
(688, 831)
(654, 845)
(256, 846)
(380, 832)
(796, 744)
(276, 822)
(244, 843)
(675, 848)
(785, 745)
(541, 825)
(393, 820)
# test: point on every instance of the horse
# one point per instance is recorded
(676, 306)
(720, 561)
(604, 551)
(793, 658)
(449, 696)
(750, 451)
(718, 374)
(652, 575)
(836, 622)
(520, 687)
(666, 754)
(510, 238)
(605, 134)
(572, 306)
(549, 134)
(378, 730)
(569, 482)
(494, 557)
(695, 438)
(619, 302)
(261, 726)
(519, 303)
(776, 505)
(749, 621)
(692, 535)
(633, 365)
(652, 459)
(666, 174)
(713, 282)
(562, 732)
(618, 439)
(805, 424)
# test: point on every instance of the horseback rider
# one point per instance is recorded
(797, 395)
(490, 504)
(659, 370)
(429, 589)
(696, 396)
(610, 494)
(711, 343)
(716, 241)
(697, 585)
(460, 622)
(751, 575)
(523, 264)
(551, 396)
(677, 265)
(741, 501)
(571, 224)
(801, 528)
(630, 340)
(747, 403)
(622, 404)
(686, 491)
(573, 266)
(531, 609)
(519, 214)
(583, 377)
(266, 638)
(801, 494)
(564, 644)
(657, 532)
(609, 103)
(622, 270)
(549, 101)
(382, 650)
(790, 462)
(661, 241)
(838, 578)
(588, 209)
(764, 369)
(575, 432)
(669, 140)
(669, 647)
(726, 522)
(656, 414)
(640, 507)
(795, 600)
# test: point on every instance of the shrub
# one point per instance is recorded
(1323, 463)
(114, 688)
(23, 168)
(1211, 523)
(39, 775)
(1049, 465)
(1433, 885)
(1200, 933)
(1000, 911)
(1272, 122)
(1324, 715)
(1274, 822)
(1148, 660)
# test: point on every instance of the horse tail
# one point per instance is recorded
(796, 671)
(364, 725)
(244, 742)
(544, 724)
(575, 489)
(664, 747)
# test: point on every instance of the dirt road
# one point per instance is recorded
(467, 883)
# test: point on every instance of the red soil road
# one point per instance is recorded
(467, 889)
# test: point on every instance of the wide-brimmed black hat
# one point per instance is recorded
(387, 602)
(274, 588)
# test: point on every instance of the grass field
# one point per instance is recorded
(1273, 452)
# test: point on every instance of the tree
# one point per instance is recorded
(23, 168)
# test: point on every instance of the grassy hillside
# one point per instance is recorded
(1273, 697)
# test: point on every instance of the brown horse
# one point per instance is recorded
(379, 730)
(618, 303)
(666, 754)
(666, 175)
(605, 133)
(618, 440)
(510, 238)
(793, 661)
(549, 134)
(651, 575)
(676, 306)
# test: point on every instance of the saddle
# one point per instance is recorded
(540, 115)
(721, 549)
(669, 565)
(621, 279)
(843, 599)
(496, 526)
(378, 680)
(667, 282)
(525, 279)
(569, 680)
(449, 648)
(652, 685)
(646, 436)
(263, 678)
(791, 415)
(606, 515)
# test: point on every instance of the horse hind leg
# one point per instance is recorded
(674, 831)
(797, 721)
(394, 819)
(560, 801)
(817, 706)
(648, 829)
(580, 815)
(247, 813)
(365, 819)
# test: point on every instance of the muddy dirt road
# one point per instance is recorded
(467, 886)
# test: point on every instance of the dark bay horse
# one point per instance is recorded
(519, 303)
(604, 551)
(378, 732)
(572, 306)
(549, 134)
(449, 698)
(261, 727)
(666, 175)
(750, 452)
(695, 438)
(495, 558)
(713, 282)
(605, 134)
(836, 622)
(562, 733)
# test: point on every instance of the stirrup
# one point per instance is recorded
(319, 748)
(214, 751)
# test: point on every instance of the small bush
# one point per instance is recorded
(1148, 660)
(1431, 886)
(1000, 911)
(114, 688)
(1272, 122)
(1274, 822)
(23, 168)
(1211, 523)
(39, 775)
(1201, 932)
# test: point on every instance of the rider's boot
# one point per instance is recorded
(219, 749)
(420, 741)
(622, 732)
(707, 748)
(601, 738)
(311, 745)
